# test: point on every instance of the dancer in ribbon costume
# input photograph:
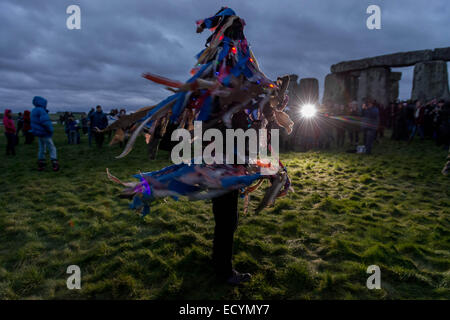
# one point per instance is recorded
(227, 90)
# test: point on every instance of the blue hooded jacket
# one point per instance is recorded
(41, 125)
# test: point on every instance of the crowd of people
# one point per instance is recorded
(37, 123)
(362, 125)
(86, 124)
(336, 124)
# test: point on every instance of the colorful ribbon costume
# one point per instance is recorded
(225, 81)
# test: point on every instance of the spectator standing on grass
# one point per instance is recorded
(340, 127)
(418, 126)
(371, 120)
(363, 121)
(84, 123)
(10, 133)
(353, 132)
(409, 112)
(443, 131)
(72, 129)
(390, 115)
(428, 118)
(404, 116)
(66, 128)
(401, 123)
(395, 111)
(19, 124)
(27, 127)
(91, 112)
(77, 129)
(382, 111)
(98, 121)
(438, 115)
(42, 127)
(326, 128)
(65, 117)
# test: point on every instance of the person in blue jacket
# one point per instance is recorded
(41, 127)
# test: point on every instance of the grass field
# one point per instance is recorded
(349, 211)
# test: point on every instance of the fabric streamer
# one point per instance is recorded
(226, 81)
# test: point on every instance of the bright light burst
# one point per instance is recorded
(308, 110)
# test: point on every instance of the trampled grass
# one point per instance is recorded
(348, 211)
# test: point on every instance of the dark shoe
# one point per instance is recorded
(41, 165)
(55, 165)
(238, 278)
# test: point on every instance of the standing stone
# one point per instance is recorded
(293, 78)
(374, 83)
(430, 81)
(334, 90)
(309, 90)
(293, 90)
(352, 85)
(394, 86)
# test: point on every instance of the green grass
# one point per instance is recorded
(349, 211)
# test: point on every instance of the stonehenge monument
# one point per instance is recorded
(369, 78)
(372, 78)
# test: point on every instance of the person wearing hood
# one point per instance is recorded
(91, 112)
(10, 133)
(27, 127)
(42, 127)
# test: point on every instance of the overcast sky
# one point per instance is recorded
(118, 40)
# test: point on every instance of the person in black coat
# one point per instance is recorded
(99, 121)
(371, 122)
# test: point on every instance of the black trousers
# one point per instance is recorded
(99, 138)
(29, 137)
(11, 143)
(354, 136)
(225, 209)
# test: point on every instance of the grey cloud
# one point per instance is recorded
(102, 62)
